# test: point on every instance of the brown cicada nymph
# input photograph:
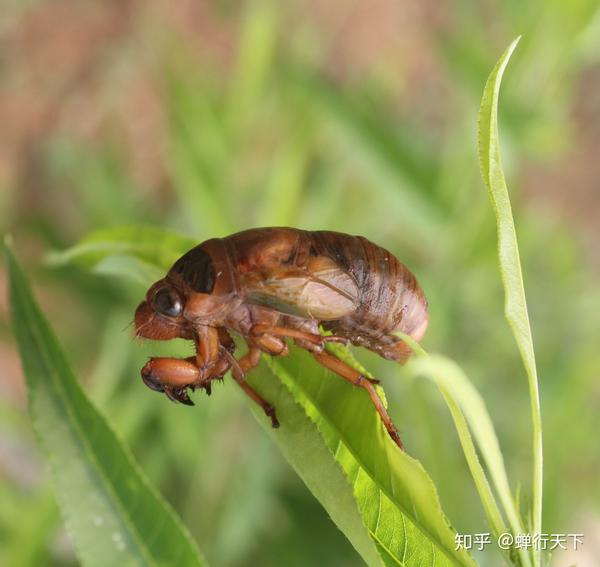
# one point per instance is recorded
(272, 284)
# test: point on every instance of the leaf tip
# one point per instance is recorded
(513, 46)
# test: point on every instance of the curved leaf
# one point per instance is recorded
(515, 306)
(112, 513)
(467, 406)
(149, 244)
(463, 400)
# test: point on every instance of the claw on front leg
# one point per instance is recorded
(178, 395)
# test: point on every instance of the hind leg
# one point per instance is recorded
(267, 340)
(303, 338)
(310, 340)
(357, 379)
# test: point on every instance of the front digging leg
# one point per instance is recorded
(173, 376)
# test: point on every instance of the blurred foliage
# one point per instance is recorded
(273, 114)
(110, 510)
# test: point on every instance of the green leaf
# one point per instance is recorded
(303, 446)
(112, 513)
(124, 266)
(152, 246)
(467, 407)
(515, 307)
(395, 498)
(462, 400)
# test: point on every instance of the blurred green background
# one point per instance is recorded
(210, 117)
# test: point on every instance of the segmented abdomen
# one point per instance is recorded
(382, 294)
(390, 297)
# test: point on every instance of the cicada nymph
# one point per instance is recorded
(272, 284)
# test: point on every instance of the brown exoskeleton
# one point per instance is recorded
(272, 284)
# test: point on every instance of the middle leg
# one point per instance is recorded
(311, 341)
(239, 368)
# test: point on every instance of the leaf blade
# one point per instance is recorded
(110, 509)
(515, 305)
(467, 407)
(374, 466)
(146, 243)
(300, 442)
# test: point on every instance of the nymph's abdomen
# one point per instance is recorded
(352, 286)
(390, 298)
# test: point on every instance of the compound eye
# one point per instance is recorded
(167, 302)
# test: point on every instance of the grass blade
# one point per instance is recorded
(467, 406)
(112, 513)
(515, 306)
(490, 506)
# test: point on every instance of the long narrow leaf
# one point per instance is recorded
(112, 513)
(451, 392)
(515, 306)
(465, 402)
(146, 243)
